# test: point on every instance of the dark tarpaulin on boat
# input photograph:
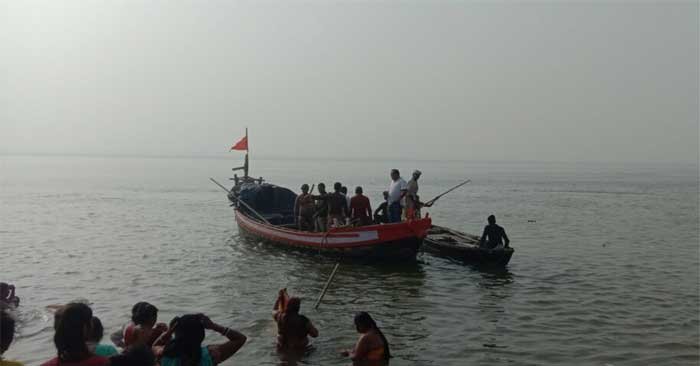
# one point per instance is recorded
(274, 203)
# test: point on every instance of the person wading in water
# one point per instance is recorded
(372, 349)
(293, 329)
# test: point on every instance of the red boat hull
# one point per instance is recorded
(388, 241)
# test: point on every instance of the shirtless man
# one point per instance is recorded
(493, 235)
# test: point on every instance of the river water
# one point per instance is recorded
(605, 270)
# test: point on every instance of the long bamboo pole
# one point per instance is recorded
(241, 202)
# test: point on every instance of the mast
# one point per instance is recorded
(247, 151)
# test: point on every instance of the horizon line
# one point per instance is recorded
(222, 156)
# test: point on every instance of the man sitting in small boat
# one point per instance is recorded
(493, 235)
(360, 208)
(381, 214)
(337, 206)
(304, 209)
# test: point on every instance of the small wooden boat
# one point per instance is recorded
(265, 211)
(445, 242)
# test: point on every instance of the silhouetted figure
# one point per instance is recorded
(381, 214)
(493, 235)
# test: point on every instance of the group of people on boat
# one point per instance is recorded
(319, 212)
(143, 341)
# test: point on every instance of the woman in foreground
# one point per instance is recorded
(186, 348)
(73, 325)
(372, 348)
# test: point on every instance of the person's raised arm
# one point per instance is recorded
(222, 352)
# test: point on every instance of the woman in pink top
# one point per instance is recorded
(72, 330)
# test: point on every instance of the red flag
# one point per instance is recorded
(241, 145)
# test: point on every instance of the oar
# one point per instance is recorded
(328, 283)
(241, 202)
(429, 203)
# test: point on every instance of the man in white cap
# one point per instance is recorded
(413, 204)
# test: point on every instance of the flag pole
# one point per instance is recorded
(247, 151)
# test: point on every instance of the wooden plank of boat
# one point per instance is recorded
(388, 241)
(450, 243)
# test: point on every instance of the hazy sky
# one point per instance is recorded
(549, 80)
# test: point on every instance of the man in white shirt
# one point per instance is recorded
(397, 190)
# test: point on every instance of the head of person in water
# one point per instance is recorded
(337, 187)
(4, 291)
(344, 190)
(144, 314)
(96, 330)
(293, 305)
(358, 190)
(395, 175)
(321, 188)
(305, 188)
(72, 329)
(187, 343)
(364, 323)
(386, 195)
(491, 219)
(134, 356)
(7, 330)
(416, 174)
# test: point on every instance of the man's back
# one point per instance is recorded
(495, 235)
(359, 207)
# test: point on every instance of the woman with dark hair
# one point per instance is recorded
(72, 329)
(293, 329)
(94, 338)
(372, 348)
(186, 349)
(7, 334)
(142, 329)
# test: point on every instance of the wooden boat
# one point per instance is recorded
(265, 211)
(445, 242)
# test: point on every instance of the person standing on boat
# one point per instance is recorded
(304, 209)
(413, 204)
(321, 214)
(360, 208)
(381, 214)
(337, 206)
(493, 235)
(397, 190)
